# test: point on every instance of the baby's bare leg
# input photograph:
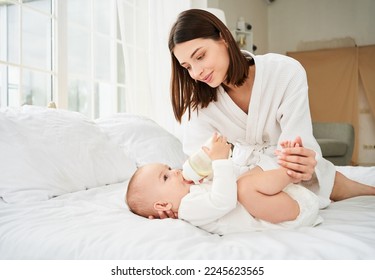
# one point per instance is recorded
(268, 182)
(260, 192)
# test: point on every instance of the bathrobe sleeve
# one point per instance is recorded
(204, 205)
(295, 120)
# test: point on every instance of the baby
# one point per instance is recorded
(256, 200)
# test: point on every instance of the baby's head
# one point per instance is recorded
(156, 187)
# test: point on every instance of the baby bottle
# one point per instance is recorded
(198, 165)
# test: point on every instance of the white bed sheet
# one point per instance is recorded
(95, 224)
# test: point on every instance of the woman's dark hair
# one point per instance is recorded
(186, 94)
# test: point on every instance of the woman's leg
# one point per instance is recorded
(344, 188)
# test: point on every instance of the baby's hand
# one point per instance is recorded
(220, 148)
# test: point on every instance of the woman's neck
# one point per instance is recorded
(241, 95)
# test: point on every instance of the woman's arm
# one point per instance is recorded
(295, 123)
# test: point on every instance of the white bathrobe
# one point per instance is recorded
(278, 110)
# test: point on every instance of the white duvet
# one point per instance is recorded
(95, 224)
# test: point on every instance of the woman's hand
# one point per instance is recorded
(299, 161)
(165, 215)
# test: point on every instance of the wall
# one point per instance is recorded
(280, 26)
(284, 24)
(253, 11)
(293, 21)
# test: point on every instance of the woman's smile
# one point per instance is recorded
(208, 79)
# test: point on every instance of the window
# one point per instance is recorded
(95, 56)
(71, 52)
(26, 52)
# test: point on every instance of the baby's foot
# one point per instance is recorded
(289, 144)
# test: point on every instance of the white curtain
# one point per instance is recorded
(126, 23)
(147, 66)
(163, 14)
(134, 29)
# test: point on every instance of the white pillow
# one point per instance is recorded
(48, 152)
(143, 139)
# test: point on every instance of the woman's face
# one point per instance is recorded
(206, 60)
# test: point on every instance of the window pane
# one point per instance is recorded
(42, 5)
(132, 63)
(102, 16)
(141, 66)
(118, 24)
(128, 24)
(102, 58)
(120, 65)
(79, 96)
(103, 100)
(3, 86)
(142, 5)
(79, 12)
(121, 105)
(9, 33)
(13, 86)
(141, 25)
(36, 88)
(36, 39)
(9, 86)
(79, 51)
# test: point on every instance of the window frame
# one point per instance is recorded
(59, 60)
(20, 65)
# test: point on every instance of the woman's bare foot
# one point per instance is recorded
(344, 188)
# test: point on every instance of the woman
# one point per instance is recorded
(256, 101)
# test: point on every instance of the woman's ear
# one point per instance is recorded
(162, 206)
(222, 38)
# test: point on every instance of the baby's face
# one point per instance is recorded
(165, 183)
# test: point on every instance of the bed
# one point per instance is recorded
(62, 185)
